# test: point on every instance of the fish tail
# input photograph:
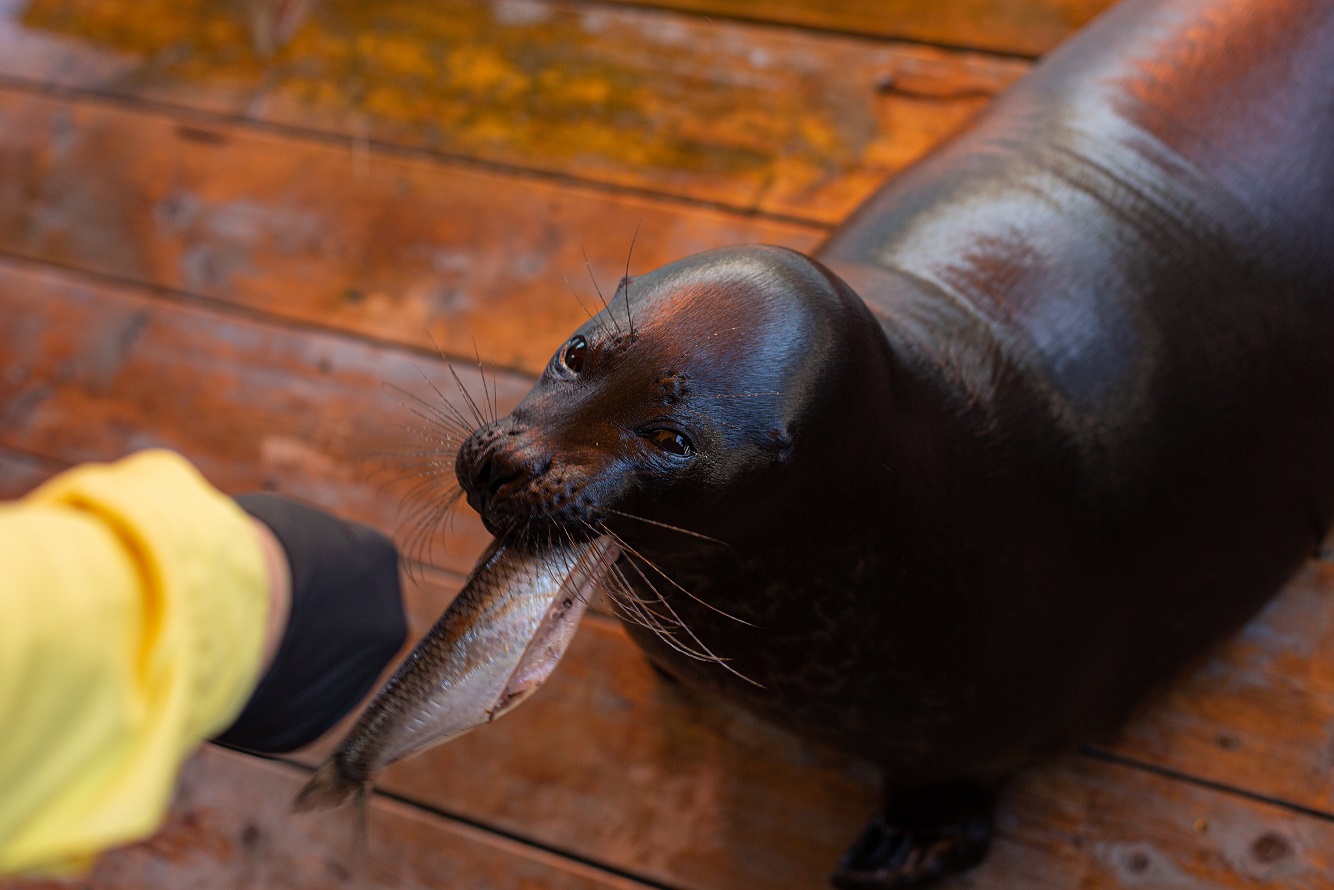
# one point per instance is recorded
(331, 786)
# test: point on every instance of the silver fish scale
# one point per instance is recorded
(454, 678)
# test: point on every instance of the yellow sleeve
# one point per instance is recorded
(133, 598)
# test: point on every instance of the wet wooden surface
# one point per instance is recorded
(1019, 27)
(252, 260)
(755, 118)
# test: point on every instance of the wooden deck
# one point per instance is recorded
(249, 259)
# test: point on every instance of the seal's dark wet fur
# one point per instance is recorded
(1079, 423)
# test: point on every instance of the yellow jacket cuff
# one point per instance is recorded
(131, 625)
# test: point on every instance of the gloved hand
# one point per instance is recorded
(346, 623)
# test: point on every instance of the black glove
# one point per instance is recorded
(346, 623)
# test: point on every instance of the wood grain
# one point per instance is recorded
(1024, 27)
(1259, 713)
(290, 235)
(612, 762)
(1073, 823)
(231, 826)
(400, 249)
(759, 119)
(1067, 826)
(91, 372)
(701, 795)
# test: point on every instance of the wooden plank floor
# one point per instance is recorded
(252, 260)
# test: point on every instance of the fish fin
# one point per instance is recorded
(329, 787)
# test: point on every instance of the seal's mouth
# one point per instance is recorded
(525, 495)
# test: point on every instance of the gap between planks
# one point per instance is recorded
(1168, 770)
(795, 124)
(185, 113)
(1104, 756)
(413, 250)
(249, 312)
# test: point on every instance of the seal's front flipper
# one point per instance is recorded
(923, 835)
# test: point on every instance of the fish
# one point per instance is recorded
(495, 644)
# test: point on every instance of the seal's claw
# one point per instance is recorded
(922, 836)
(888, 856)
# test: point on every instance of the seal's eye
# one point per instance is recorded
(672, 441)
(572, 356)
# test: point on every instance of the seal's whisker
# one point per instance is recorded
(411, 460)
(429, 473)
(631, 607)
(462, 389)
(439, 422)
(623, 594)
(427, 462)
(438, 440)
(426, 524)
(652, 565)
(467, 397)
(627, 595)
(450, 419)
(632, 610)
(423, 525)
(429, 487)
(422, 456)
(427, 507)
(593, 278)
(495, 397)
(711, 656)
(584, 573)
(644, 619)
(673, 618)
(704, 653)
(596, 319)
(578, 299)
(644, 607)
(650, 620)
(625, 281)
(453, 430)
(450, 409)
(674, 528)
(490, 397)
(432, 492)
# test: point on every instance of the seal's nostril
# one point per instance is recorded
(482, 477)
(494, 472)
(498, 482)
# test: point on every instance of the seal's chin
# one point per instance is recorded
(535, 534)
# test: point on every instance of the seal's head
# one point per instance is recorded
(691, 401)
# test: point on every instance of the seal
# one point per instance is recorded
(1052, 412)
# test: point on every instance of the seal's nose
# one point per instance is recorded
(496, 468)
